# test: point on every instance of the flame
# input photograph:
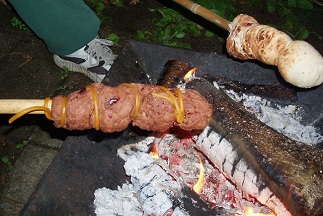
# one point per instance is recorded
(199, 184)
(189, 74)
(154, 151)
(249, 212)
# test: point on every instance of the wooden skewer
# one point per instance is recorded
(205, 13)
(13, 106)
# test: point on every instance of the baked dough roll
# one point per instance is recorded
(298, 62)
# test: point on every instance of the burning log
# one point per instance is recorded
(283, 174)
(198, 173)
(173, 73)
(280, 94)
(153, 190)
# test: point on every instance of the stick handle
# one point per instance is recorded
(205, 13)
(12, 106)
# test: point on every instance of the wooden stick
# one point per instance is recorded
(205, 13)
(13, 106)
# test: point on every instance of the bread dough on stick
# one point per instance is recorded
(298, 62)
(301, 65)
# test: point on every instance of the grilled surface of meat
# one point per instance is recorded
(117, 106)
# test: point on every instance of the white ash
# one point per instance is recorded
(124, 202)
(284, 119)
(152, 192)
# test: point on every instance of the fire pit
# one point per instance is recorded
(87, 163)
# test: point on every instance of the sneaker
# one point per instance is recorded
(94, 59)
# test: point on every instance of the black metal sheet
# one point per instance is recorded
(82, 165)
(138, 59)
(86, 163)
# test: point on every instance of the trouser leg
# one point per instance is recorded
(64, 25)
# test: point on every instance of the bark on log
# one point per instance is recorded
(291, 170)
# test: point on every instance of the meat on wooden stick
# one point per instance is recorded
(111, 109)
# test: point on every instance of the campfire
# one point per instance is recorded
(201, 176)
(219, 151)
(159, 168)
(165, 163)
(254, 154)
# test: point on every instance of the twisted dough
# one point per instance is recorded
(298, 62)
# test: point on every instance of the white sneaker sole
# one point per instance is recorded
(71, 66)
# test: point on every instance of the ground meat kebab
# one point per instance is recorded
(149, 107)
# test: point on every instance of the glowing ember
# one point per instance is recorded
(154, 151)
(179, 158)
(189, 74)
(249, 212)
(199, 184)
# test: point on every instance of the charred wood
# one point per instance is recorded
(173, 73)
(291, 170)
(280, 94)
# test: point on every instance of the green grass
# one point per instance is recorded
(22, 145)
(295, 14)
(113, 37)
(169, 28)
(99, 7)
(18, 23)
(63, 73)
(6, 161)
(174, 25)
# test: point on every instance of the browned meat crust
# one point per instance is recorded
(117, 106)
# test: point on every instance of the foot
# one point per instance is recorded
(94, 59)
